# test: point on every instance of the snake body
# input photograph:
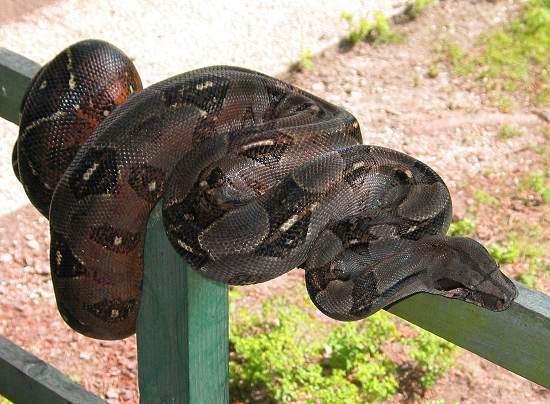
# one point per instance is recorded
(255, 176)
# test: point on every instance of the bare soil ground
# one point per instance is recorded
(447, 121)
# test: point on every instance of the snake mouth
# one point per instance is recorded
(495, 302)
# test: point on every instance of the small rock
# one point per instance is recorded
(6, 258)
(33, 244)
(41, 269)
(86, 356)
(318, 87)
(112, 393)
(107, 343)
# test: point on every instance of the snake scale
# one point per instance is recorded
(255, 176)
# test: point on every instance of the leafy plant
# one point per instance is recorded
(537, 182)
(462, 227)
(505, 254)
(288, 355)
(356, 351)
(377, 31)
(509, 131)
(306, 60)
(416, 8)
(529, 277)
(434, 356)
(283, 354)
(485, 198)
(433, 71)
(273, 353)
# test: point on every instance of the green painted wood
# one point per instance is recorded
(16, 72)
(182, 330)
(26, 379)
(517, 339)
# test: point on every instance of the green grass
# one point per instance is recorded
(507, 131)
(485, 198)
(465, 227)
(379, 30)
(433, 71)
(537, 182)
(283, 353)
(4, 400)
(537, 268)
(417, 7)
(513, 57)
(306, 60)
(524, 244)
(505, 254)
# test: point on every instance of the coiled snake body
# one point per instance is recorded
(256, 177)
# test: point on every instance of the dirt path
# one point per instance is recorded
(447, 122)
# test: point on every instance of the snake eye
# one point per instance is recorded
(216, 178)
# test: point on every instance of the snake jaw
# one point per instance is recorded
(492, 301)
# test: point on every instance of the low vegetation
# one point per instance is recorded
(538, 183)
(378, 30)
(465, 227)
(507, 131)
(284, 353)
(521, 244)
(306, 60)
(415, 8)
(511, 58)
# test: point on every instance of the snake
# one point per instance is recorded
(254, 176)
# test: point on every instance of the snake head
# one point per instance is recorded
(471, 274)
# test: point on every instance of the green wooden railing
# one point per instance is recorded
(182, 330)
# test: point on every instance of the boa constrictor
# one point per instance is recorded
(256, 177)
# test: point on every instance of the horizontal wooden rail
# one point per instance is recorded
(16, 72)
(26, 379)
(182, 327)
(517, 339)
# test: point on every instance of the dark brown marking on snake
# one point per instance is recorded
(267, 151)
(97, 173)
(286, 200)
(63, 262)
(274, 97)
(206, 93)
(112, 311)
(364, 292)
(205, 128)
(148, 182)
(430, 227)
(113, 239)
(287, 240)
(147, 130)
(352, 229)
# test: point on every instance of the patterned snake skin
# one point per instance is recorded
(256, 177)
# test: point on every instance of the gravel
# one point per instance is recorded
(170, 37)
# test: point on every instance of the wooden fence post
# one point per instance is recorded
(182, 329)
